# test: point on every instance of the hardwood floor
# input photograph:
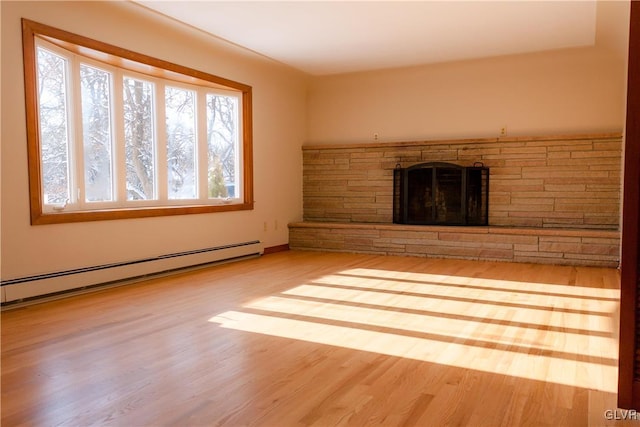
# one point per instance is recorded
(323, 339)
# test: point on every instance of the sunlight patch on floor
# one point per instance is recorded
(511, 308)
(498, 284)
(563, 337)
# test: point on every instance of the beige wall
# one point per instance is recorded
(579, 90)
(279, 96)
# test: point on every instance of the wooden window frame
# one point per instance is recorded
(137, 62)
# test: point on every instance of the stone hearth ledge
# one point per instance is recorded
(579, 247)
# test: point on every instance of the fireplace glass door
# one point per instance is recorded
(441, 193)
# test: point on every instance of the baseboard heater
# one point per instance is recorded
(49, 284)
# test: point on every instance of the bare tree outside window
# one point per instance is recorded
(180, 105)
(221, 138)
(138, 134)
(96, 91)
(52, 95)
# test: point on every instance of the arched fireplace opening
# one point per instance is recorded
(438, 193)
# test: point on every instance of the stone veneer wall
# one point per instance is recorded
(552, 200)
(545, 182)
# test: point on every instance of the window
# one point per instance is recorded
(115, 134)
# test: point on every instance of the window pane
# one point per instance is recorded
(139, 136)
(54, 133)
(222, 137)
(96, 124)
(180, 109)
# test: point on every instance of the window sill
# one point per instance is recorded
(41, 218)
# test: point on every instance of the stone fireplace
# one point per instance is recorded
(439, 193)
(554, 199)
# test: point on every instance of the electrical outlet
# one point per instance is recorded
(265, 226)
(503, 131)
(375, 136)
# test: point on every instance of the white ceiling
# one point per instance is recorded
(330, 37)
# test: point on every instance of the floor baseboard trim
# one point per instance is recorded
(274, 249)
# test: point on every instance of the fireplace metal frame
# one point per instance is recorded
(468, 174)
